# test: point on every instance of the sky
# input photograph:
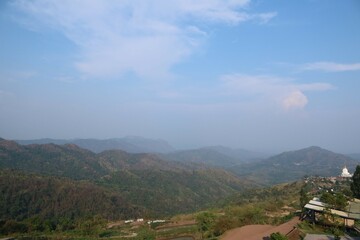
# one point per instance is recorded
(264, 75)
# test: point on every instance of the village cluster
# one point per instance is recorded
(316, 207)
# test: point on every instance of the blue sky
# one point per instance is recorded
(262, 75)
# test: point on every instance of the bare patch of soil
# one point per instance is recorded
(259, 232)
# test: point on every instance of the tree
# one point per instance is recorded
(277, 236)
(337, 200)
(340, 201)
(224, 223)
(304, 198)
(146, 234)
(355, 185)
(205, 222)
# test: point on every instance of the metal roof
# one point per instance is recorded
(353, 210)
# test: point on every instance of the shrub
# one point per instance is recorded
(277, 236)
(12, 226)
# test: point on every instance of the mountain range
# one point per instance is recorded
(142, 180)
(216, 156)
(131, 144)
(153, 184)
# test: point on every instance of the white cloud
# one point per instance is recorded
(331, 66)
(265, 17)
(144, 37)
(283, 91)
(253, 83)
(295, 100)
(315, 87)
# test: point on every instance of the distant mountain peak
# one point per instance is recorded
(293, 165)
(314, 147)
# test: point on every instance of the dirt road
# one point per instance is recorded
(259, 232)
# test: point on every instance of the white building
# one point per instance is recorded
(345, 173)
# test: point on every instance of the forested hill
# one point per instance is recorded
(26, 196)
(293, 165)
(50, 159)
(143, 180)
(217, 156)
(203, 156)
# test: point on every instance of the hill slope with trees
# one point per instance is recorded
(145, 180)
(293, 165)
(27, 195)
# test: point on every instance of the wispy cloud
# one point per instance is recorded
(331, 67)
(143, 37)
(11, 75)
(284, 91)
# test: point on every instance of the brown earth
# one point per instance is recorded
(259, 232)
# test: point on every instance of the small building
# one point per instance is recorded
(348, 216)
(345, 173)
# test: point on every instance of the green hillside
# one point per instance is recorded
(50, 159)
(293, 165)
(27, 195)
(144, 180)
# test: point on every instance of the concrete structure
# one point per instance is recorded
(345, 173)
(349, 216)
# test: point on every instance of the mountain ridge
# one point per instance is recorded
(293, 165)
(129, 144)
(143, 179)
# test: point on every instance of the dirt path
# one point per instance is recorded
(259, 232)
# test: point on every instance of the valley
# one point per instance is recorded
(57, 188)
(179, 120)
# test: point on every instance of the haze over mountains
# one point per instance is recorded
(65, 184)
(135, 144)
(287, 166)
(221, 91)
(144, 183)
(293, 165)
(145, 180)
(129, 144)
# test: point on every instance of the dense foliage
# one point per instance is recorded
(355, 185)
(260, 206)
(334, 200)
(144, 180)
(31, 196)
(50, 159)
